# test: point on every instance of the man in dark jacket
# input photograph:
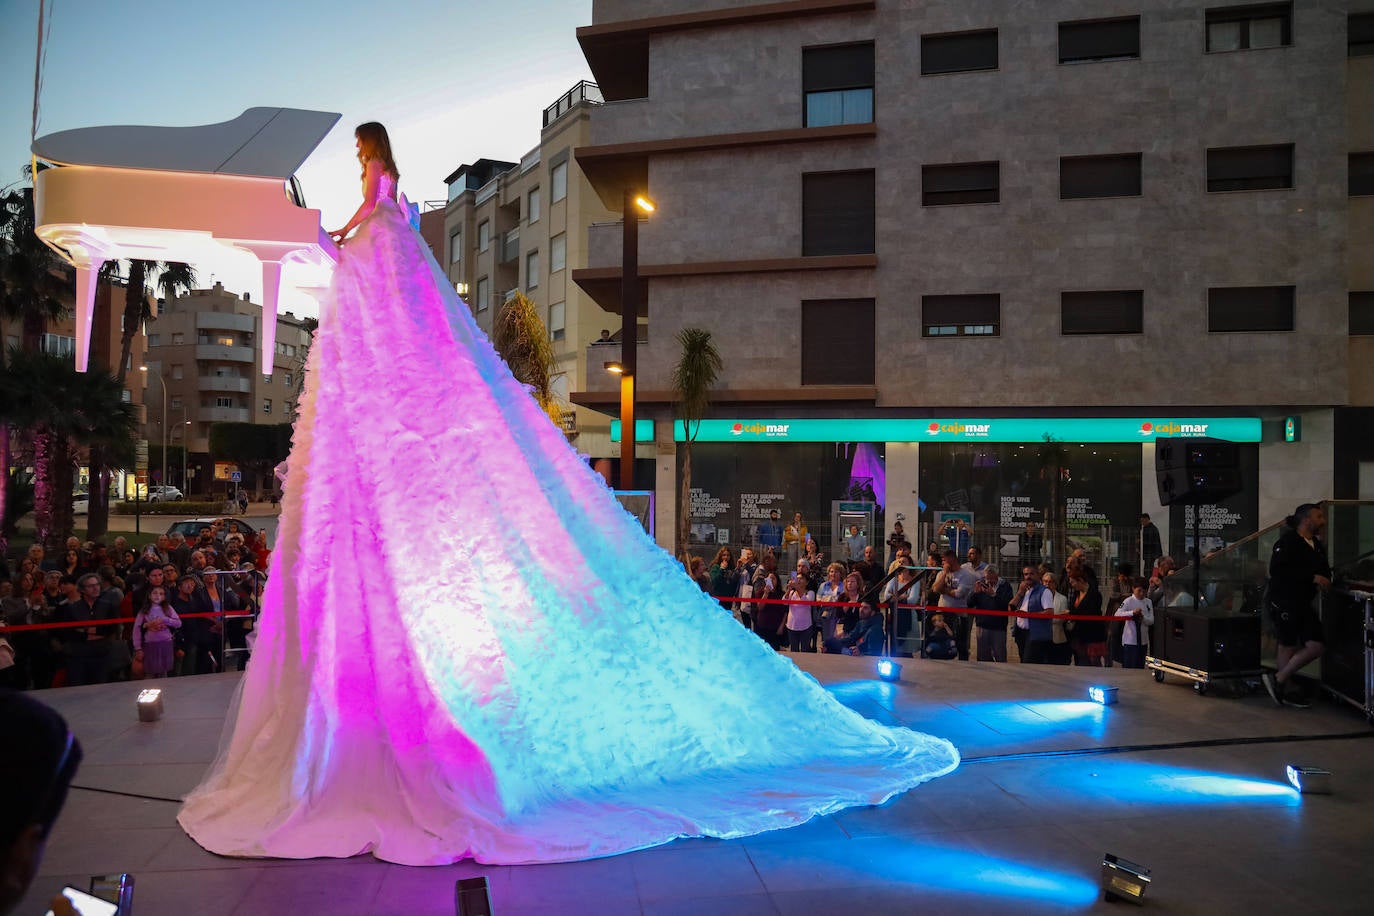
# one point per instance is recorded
(866, 639)
(991, 593)
(87, 648)
(1297, 569)
(1151, 548)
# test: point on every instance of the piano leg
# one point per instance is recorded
(86, 276)
(271, 288)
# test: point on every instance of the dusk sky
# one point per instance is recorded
(453, 80)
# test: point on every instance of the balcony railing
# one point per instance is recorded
(224, 415)
(584, 91)
(224, 353)
(488, 190)
(225, 321)
(219, 383)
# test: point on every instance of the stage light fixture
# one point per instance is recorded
(889, 670)
(1309, 780)
(1104, 695)
(150, 705)
(1124, 880)
(474, 897)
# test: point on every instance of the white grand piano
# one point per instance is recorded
(188, 194)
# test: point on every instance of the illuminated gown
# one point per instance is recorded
(468, 649)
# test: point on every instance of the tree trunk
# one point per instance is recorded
(4, 486)
(62, 476)
(98, 511)
(133, 317)
(42, 487)
(684, 505)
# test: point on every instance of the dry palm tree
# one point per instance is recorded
(697, 369)
(521, 338)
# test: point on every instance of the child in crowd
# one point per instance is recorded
(1138, 610)
(799, 615)
(939, 641)
(153, 633)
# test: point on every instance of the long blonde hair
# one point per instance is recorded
(375, 145)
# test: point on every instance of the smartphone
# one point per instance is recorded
(118, 889)
(88, 905)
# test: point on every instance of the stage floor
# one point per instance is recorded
(1018, 827)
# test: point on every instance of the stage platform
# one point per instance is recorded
(1020, 827)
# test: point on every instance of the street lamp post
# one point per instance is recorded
(635, 203)
(185, 438)
(161, 381)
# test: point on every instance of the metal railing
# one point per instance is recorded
(584, 91)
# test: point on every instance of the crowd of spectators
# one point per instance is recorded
(159, 586)
(953, 581)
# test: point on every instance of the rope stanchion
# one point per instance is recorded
(980, 612)
(111, 621)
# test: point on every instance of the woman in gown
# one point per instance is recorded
(557, 688)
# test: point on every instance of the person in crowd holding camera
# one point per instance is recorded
(769, 616)
(991, 593)
(748, 565)
(799, 596)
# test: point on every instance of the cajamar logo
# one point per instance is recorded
(1172, 428)
(958, 429)
(767, 430)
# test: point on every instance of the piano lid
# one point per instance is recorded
(260, 143)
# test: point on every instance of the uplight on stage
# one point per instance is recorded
(1309, 780)
(149, 705)
(1123, 880)
(1104, 695)
(889, 670)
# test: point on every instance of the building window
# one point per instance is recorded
(1362, 312)
(127, 397)
(558, 252)
(11, 341)
(1250, 308)
(532, 206)
(1250, 168)
(1099, 176)
(1100, 40)
(1361, 174)
(959, 183)
(267, 379)
(838, 342)
(532, 270)
(838, 84)
(174, 404)
(224, 340)
(558, 182)
(154, 340)
(1242, 28)
(1114, 311)
(483, 235)
(266, 405)
(178, 339)
(1360, 34)
(455, 247)
(483, 297)
(286, 380)
(959, 51)
(557, 321)
(58, 345)
(224, 402)
(838, 213)
(177, 372)
(961, 316)
(558, 386)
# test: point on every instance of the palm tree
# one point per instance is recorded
(32, 283)
(1053, 456)
(62, 410)
(696, 371)
(521, 338)
(173, 278)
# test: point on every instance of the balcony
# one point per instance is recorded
(225, 321)
(233, 385)
(221, 353)
(509, 249)
(224, 415)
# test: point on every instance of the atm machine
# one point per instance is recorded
(842, 515)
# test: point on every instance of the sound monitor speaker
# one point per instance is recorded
(1194, 471)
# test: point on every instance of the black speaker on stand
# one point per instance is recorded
(1191, 472)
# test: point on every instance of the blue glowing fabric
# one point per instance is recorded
(468, 649)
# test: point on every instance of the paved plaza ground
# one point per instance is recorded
(1020, 827)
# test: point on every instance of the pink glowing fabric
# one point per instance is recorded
(468, 649)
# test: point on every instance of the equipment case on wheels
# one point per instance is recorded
(1204, 645)
(1348, 664)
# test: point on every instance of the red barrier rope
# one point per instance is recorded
(110, 621)
(922, 607)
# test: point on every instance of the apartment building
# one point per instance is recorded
(934, 240)
(523, 226)
(204, 348)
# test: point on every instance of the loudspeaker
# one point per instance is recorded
(1194, 471)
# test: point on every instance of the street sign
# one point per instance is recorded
(236, 476)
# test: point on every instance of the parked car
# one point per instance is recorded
(164, 495)
(81, 503)
(190, 527)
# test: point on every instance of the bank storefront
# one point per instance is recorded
(1077, 476)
